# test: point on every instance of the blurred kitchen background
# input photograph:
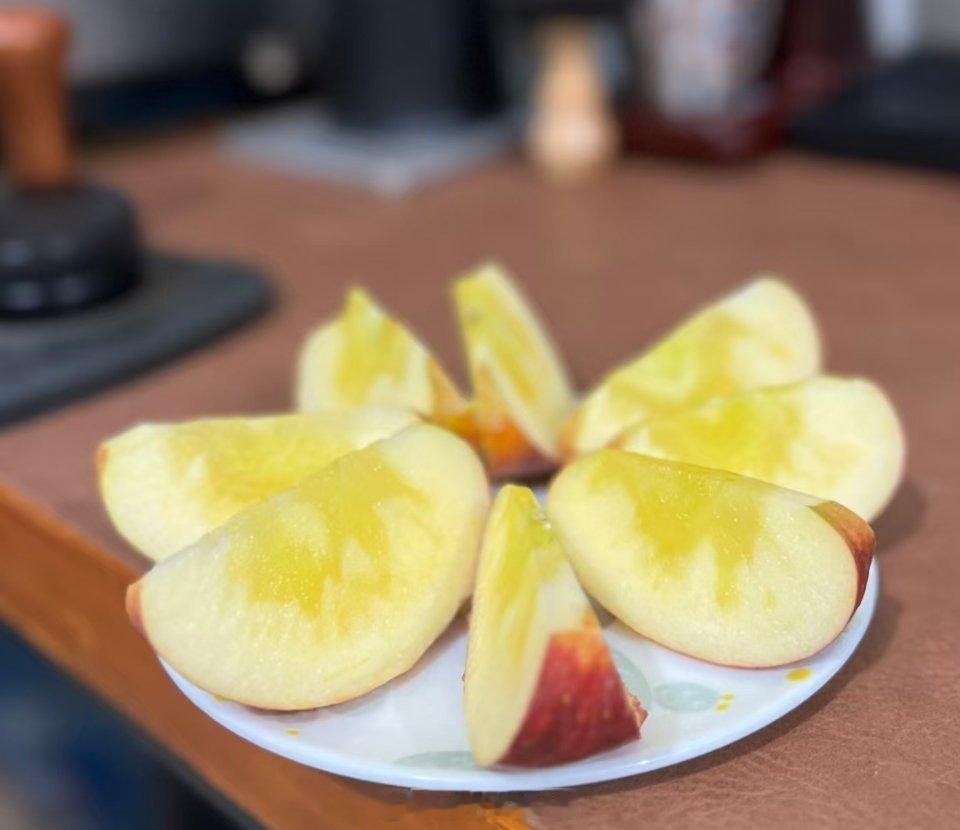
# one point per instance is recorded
(392, 96)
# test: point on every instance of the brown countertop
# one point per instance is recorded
(611, 265)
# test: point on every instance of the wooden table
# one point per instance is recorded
(612, 265)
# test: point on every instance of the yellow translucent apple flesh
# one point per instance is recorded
(325, 591)
(761, 335)
(522, 394)
(835, 437)
(165, 485)
(366, 357)
(722, 567)
(541, 687)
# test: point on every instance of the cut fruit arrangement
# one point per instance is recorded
(709, 500)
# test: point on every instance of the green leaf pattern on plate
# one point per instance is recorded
(448, 759)
(632, 678)
(677, 697)
(685, 697)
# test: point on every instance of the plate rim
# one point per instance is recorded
(523, 780)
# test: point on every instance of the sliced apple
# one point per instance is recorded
(761, 335)
(366, 357)
(719, 566)
(328, 590)
(541, 687)
(165, 485)
(522, 394)
(838, 438)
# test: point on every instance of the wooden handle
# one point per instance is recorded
(573, 134)
(36, 144)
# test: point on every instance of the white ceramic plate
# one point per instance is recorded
(411, 732)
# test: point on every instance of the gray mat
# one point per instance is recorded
(300, 138)
(180, 305)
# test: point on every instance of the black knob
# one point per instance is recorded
(65, 248)
(63, 245)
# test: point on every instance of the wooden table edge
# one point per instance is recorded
(64, 594)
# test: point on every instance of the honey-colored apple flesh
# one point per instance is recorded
(727, 569)
(760, 335)
(366, 357)
(506, 449)
(165, 485)
(580, 706)
(837, 438)
(450, 410)
(327, 590)
(521, 391)
(540, 685)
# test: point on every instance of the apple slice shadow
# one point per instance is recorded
(874, 646)
(901, 518)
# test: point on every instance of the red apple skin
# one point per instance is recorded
(132, 604)
(567, 436)
(450, 411)
(858, 536)
(579, 707)
(508, 454)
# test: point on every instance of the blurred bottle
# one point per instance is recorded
(717, 78)
(823, 47)
(893, 27)
(419, 64)
(573, 133)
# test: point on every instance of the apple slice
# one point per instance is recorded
(839, 438)
(761, 335)
(541, 687)
(719, 566)
(165, 485)
(522, 394)
(328, 590)
(365, 357)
